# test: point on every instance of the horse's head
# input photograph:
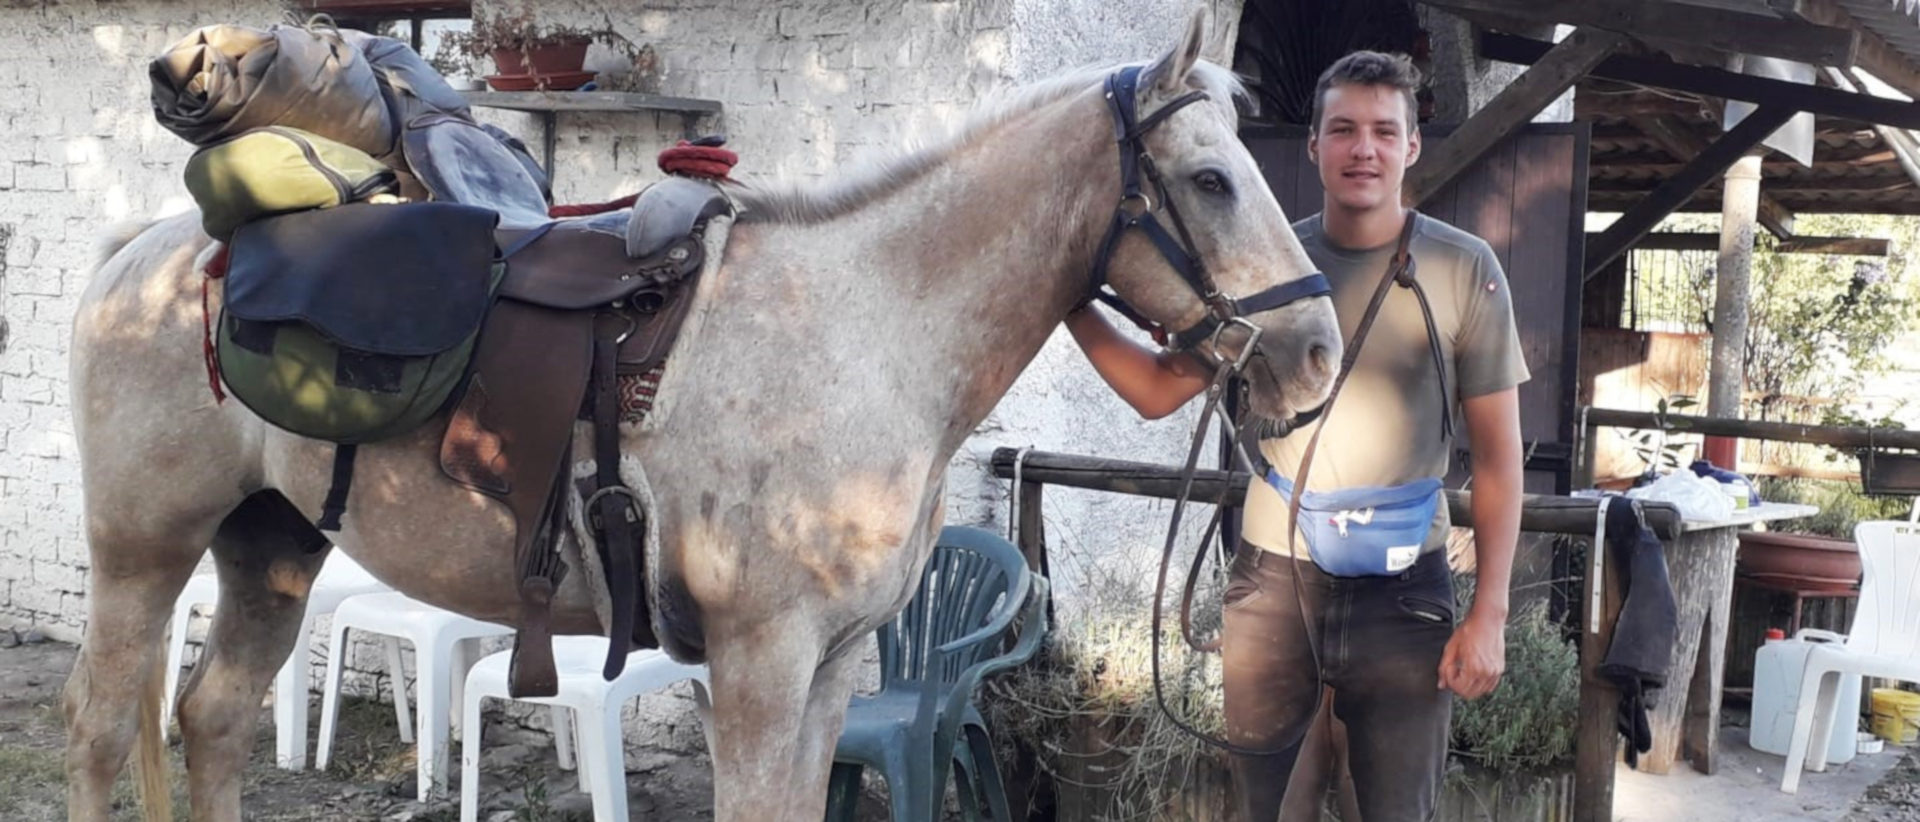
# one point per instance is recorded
(1200, 246)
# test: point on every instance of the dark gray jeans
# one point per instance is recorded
(1380, 641)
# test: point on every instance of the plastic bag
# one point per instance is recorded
(1698, 498)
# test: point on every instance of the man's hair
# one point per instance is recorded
(1370, 68)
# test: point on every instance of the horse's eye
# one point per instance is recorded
(1212, 182)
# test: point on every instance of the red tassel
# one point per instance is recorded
(215, 269)
(686, 159)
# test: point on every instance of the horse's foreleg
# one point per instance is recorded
(113, 694)
(826, 715)
(761, 681)
(267, 565)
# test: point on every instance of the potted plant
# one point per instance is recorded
(1085, 708)
(1653, 447)
(529, 55)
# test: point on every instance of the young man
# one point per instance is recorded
(1386, 643)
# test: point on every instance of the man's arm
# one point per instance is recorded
(1477, 655)
(1155, 383)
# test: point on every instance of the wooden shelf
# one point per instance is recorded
(549, 104)
(389, 9)
(552, 101)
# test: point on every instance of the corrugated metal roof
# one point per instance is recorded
(1895, 21)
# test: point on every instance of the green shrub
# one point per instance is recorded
(1529, 721)
(1841, 505)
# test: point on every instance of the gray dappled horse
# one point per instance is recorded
(850, 339)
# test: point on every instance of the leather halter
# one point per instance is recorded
(1130, 133)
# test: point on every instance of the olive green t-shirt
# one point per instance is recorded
(1385, 429)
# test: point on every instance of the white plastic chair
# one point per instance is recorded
(443, 645)
(1884, 641)
(338, 579)
(595, 705)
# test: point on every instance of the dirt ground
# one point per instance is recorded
(371, 778)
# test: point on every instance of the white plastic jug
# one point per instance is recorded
(1777, 668)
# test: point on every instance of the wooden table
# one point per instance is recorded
(1686, 721)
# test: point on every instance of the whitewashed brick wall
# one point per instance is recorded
(808, 87)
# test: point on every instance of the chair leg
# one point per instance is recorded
(906, 788)
(290, 688)
(1802, 731)
(965, 786)
(1823, 719)
(563, 736)
(470, 760)
(980, 745)
(843, 792)
(176, 652)
(464, 656)
(603, 754)
(397, 682)
(432, 666)
(330, 694)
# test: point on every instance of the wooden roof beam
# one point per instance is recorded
(1719, 83)
(1529, 94)
(1874, 53)
(1590, 104)
(1676, 139)
(1701, 241)
(1687, 26)
(1675, 192)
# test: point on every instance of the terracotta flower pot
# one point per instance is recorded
(541, 60)
(1799, 559)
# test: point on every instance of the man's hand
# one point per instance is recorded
(1476, 656)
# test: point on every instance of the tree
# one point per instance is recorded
(1822, 324)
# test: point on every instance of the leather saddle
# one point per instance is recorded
(582, 304)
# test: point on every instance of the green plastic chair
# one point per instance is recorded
(931, 657)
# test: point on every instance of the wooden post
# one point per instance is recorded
(1726, 374)
(1032, 527)
(1597, 740)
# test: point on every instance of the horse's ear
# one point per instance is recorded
(1169, 73)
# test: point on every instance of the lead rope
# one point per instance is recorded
(1402, 258)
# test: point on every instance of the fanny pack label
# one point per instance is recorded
(1365, 531)
(1401, 557)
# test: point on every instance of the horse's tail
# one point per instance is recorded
(152, 781)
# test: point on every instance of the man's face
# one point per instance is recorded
(1363, 146)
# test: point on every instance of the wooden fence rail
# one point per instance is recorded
(1595, 740)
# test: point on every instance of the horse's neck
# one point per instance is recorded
(961, 275)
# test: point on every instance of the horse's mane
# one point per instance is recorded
(817, 202)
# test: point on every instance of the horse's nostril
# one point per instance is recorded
(1317, 357)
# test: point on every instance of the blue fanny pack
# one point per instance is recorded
(1368, 531)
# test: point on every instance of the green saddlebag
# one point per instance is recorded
(278, 170)
(355, 324)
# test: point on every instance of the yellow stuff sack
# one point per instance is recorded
(278, 170)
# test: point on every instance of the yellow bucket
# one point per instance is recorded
(1896, 715)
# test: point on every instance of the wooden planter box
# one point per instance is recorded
(1489, 797)
(1088, 788)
